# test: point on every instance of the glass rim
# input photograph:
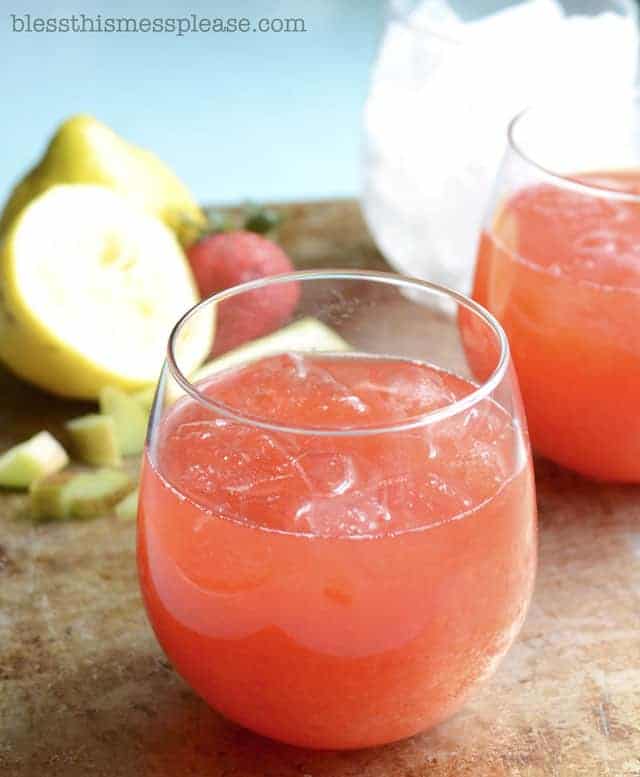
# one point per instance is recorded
(480, 392)
(561, 179)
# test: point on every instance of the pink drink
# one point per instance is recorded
(560, 269)
(336, 589)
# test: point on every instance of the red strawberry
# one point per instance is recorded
(226, 259)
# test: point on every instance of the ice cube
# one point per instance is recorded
(297, 389)
(328, 473)
(355, 514)
(232, 467)
(481, 448)
(408, 391)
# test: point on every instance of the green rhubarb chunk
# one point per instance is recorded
(145, 398)
(94, 440)
(77, 495)
(129, 417)
(127, 509)
(35, 458)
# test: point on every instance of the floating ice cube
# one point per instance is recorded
(328, 473)
(234, 467)
(351, 515)
(409, 391)
(297, 389)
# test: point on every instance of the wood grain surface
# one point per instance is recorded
(85, 689)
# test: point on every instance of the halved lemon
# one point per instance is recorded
(90, 286)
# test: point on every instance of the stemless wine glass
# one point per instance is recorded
(336, 535)
(559, 265)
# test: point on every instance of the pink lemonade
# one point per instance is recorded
(336, 589)
(560, 269)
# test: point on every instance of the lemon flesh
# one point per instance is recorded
(85, 151)
(91, 287)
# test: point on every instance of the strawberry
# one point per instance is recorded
(224, 259)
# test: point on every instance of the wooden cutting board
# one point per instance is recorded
(85, 689)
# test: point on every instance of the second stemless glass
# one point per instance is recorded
(559, 266)
(336, 537)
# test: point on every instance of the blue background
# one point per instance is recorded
(268, 116)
